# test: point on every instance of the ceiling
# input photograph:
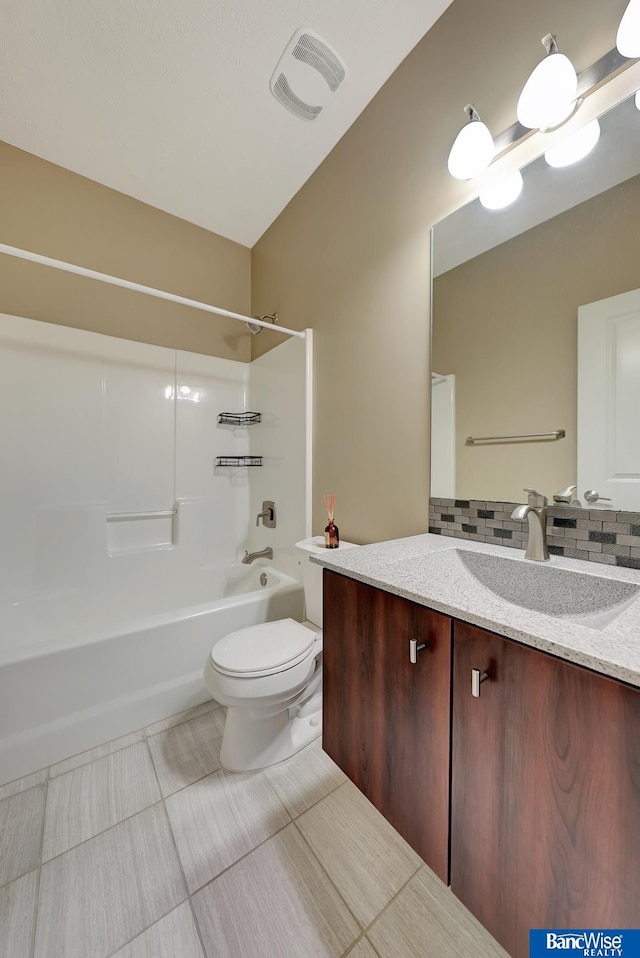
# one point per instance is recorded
(169, 102)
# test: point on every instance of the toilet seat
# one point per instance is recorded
(263, 649)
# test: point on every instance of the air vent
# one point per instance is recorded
(307, 75)
(317, 54)
(283, 92)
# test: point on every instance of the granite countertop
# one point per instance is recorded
(419, 569)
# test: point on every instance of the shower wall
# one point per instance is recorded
(95, 430)
(277, 387)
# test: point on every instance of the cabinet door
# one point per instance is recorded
(545, 827)
(386, 721)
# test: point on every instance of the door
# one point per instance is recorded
(443, 436)
(386, 721)
(609, 400)
(545, 814)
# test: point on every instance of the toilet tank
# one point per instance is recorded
(312, 575)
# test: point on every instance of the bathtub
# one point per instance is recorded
(81, 667)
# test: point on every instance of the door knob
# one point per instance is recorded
(477, 678)
(592, 496)
(414, 648)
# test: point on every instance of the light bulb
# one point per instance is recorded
(548, 97)
(575, 147)
(503, 193)
(628, 38)
(472, 150)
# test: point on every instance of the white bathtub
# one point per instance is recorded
(81, 667)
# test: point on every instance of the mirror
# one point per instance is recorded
(511, 290)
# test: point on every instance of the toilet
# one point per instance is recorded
(270, 678)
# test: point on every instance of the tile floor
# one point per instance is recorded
(146, 848)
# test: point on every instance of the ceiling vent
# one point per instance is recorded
(307, 75)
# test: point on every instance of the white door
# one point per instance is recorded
(443, 436)
(609, 400)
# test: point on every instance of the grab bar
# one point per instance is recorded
(125, 516)
(555, 434)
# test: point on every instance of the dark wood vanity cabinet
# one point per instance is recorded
(543, 803)
(545, 798)
(386, 720)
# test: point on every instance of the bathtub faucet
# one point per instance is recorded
(263, 554)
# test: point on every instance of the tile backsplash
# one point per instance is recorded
(597, 535)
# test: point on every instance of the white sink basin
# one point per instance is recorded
(562, 593)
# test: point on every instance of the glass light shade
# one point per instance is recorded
(628, 38)
(472, 151)
(548, 97)
(502, 193)
(575, 147)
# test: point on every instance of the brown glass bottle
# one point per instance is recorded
(331, 536)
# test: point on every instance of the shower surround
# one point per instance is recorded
(117, 523)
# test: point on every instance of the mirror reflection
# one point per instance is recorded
(536, 334)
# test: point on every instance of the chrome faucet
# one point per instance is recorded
(536, 512)
(263, 554)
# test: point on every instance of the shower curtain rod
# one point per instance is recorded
(138, 288)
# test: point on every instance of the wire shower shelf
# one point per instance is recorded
(239, 418)
(238, 461)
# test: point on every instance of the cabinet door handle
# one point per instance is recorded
(414, 648)
(477, 678)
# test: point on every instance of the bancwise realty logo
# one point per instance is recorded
(601, 943)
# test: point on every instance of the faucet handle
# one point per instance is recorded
(536, 499)
(568, 494)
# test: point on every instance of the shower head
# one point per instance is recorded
(267, 318)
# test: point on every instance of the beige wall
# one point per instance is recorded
(505, 323)
(349, 256)
(49, 210)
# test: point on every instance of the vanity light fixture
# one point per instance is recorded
(548, 99)
(628, 38)
(503, 193)
(574, 147)
(549, 96)
(473, 148)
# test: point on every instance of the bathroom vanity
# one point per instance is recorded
(500, 739)
(377, 706)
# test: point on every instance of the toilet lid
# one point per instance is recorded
(264, 647)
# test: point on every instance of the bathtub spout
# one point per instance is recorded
(264, 554)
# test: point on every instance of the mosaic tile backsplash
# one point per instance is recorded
(597, 535)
